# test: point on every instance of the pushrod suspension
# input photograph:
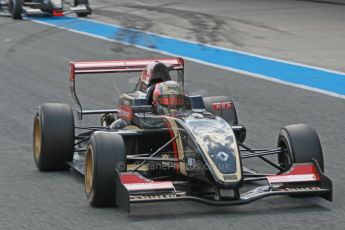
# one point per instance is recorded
(154, 154)
(262, 153)
(262, 157)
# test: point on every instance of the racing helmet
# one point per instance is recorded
(168, 97)
(153, 73)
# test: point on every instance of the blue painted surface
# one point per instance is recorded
(292, 73)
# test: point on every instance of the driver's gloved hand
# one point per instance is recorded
(118, 124)
(107, 119)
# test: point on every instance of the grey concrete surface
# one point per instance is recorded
(34, 69)
(305, 31)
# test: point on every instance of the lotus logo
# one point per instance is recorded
(222, 156)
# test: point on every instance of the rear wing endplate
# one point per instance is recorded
(115, 66)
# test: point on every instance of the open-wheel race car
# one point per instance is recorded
(161, 144)
(17, 8)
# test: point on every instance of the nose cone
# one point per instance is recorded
(219, 148)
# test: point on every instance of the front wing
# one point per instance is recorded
(301, 179)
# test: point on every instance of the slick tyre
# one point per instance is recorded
(53, 136)
(104, 154)
(15, 8)
(229, 115)
(302, 145)
(83, 2)
(82, 15)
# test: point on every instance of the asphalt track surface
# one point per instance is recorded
(34, 69)
(305, 31)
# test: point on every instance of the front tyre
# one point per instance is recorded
(104, 154)
(302, 145)
(53, 136)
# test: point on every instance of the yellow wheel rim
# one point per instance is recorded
(37, 139)
(89, 170)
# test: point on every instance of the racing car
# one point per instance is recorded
(162, 144)
(16, 8)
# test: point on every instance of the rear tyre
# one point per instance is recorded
(15, 8)
(302, 144)
(229, 115)
(82, 15)
(83, 2)
(104, 154)
(53, 136)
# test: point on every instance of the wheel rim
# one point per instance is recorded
(37, 139)
(89, 171)
(285, 160)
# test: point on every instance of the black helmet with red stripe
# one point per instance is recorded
(153, 73)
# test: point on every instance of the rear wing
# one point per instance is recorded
(115, 66)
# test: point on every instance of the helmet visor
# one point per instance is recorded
(171, 101)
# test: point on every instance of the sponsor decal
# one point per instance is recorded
(155, 185)
(230, 177)
(222, 106)
(298, 173)
(136, 182)
(152, 197)
(191, 162)
(126, 112)
(300, 189)
(292, 178)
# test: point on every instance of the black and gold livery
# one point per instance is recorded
(196, 153)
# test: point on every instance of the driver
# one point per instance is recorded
(168, 98)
